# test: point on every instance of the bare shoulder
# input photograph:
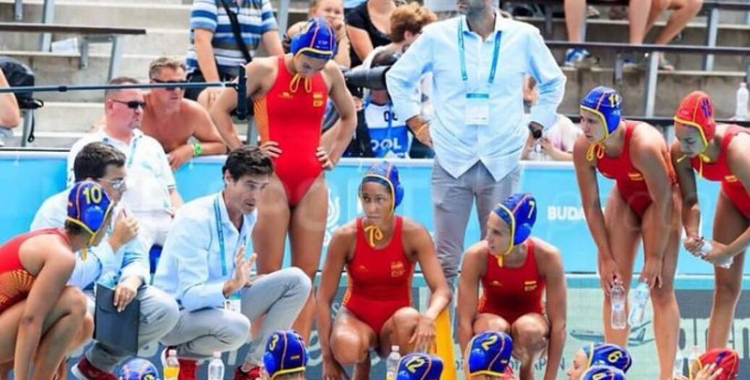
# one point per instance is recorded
(347, 232)
(547, 255)
(263, 65)
(647, 136)
(192, 108)
(34, 251)
(476, 250)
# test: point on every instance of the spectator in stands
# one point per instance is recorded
(153, 195)
(204, 266)
(215, 54)
(296, 202)
(515, 270)
(369, 26)
(642, 16)
(557, 142)
(407, 22)
(172, 120)
(10, 115)
(40, 317)
(478, 128)
(333, 12)
(642, 206)
(121, 254)
(717, 153)
(379, 252)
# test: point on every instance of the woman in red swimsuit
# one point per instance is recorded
(41, 317)
(290, 93)
(514, 271)
(717, 153)
(644, 202)
(379, 252)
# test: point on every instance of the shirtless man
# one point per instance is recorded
(172, 120)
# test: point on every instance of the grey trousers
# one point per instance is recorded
(159, 314)
(279, 296)
(452, 202)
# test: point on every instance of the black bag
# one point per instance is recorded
(20, 75)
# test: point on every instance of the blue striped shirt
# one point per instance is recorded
(255, 18)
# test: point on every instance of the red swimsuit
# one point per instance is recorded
(719, 171)
(291, 114)
(512, 292)
(630, 182)
(379, 279)
(15, 281)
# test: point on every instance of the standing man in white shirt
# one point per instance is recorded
(152, 195)
(121, 254)
(204, 266)
(478, 62)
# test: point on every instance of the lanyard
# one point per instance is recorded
(389, 118)
(220, 234)
(462, 53)
(131, 147)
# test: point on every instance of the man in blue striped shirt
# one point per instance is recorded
(215, 53)
(478, 62)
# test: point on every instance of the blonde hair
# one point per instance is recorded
(412, 18)
(173, 63)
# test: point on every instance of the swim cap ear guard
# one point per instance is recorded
(519, 213)
(489, 353)
(608, 354)
(419, 366)
(697, 110)
(605, 103)
(88, 207)
(285, 353)
(316, 40)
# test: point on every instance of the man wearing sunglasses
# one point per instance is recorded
(122, 253)
(172, 119)
(152, 195)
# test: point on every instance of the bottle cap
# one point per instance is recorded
(172, 352)
(217, 354)
(394, 348)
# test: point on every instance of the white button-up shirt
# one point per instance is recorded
(499, 145)
(192, 267)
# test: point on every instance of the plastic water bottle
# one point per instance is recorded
(172, 366)
(638, 303)
(679, 362)
(724, 263)
(617, 302)
(742, 99)
(216, 368)
(693, 356)
(391, 364)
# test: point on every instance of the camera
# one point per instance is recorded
(373, 79)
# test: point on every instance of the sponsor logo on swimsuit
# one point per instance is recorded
(635, 176)
(608, 175)
(397, 269)
(730, 178)
(496, 283)
(529, 286)
(285, 95)
(362, 269)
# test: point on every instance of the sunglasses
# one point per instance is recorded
(132, 104)
(170, 82)
(117, 184)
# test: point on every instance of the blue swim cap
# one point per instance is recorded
(386, 174)
(603, 372)
(489, 353)
(285, 353)
(138, 369)
(519, 213)
(418, 366)
(316, 40)
(608, 354)
(606, 103)
(88, 206)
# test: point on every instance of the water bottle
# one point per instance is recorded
(638, 303)
(617, 302)
(171, 366)
(679, 362)
(391, 364)
(723, 263)
(216, 368)
(693, 356)
(742, 99)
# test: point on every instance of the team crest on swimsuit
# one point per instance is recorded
(635, 176)
(529, 286)
(318, 99)
(397, 269)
